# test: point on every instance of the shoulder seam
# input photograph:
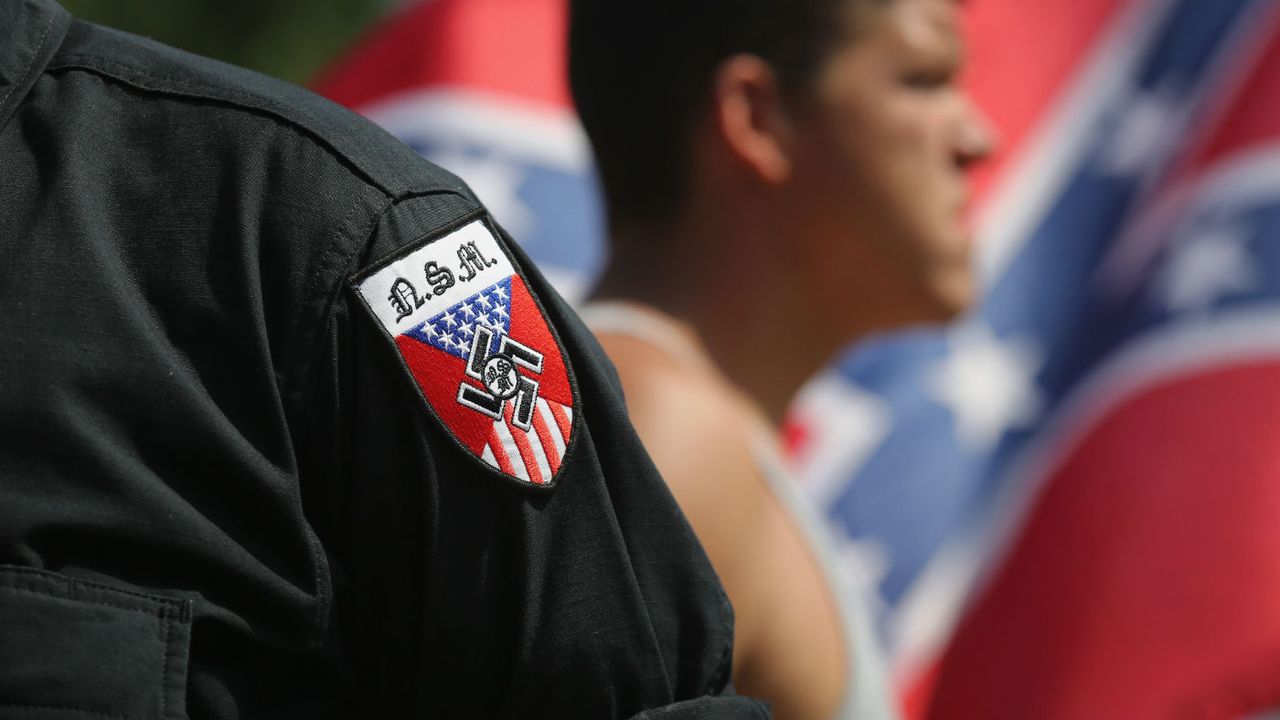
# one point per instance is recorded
(23, 76)
(185, 88)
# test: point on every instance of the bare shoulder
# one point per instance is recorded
(698, 428)
(702, 434)
(699, 431)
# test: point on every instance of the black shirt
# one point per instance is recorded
(222, 493)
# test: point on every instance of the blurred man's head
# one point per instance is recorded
(835, 124)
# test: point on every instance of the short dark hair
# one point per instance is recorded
(641, 72)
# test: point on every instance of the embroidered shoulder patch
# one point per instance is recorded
(478, 345)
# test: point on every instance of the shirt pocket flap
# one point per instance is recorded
(73, 649)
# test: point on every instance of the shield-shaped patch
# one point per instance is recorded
(476, 341)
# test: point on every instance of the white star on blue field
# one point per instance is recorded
(453, 330)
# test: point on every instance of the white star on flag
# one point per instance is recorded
(846, 423)
(1205, 268)
(865, 559)
(1141, 131)
(988, 384)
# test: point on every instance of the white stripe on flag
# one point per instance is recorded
(1042, 165)
(550, 419)
(540, 455)
(488, 455)
(545, 136)
(509, 445)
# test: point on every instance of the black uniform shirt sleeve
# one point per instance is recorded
(482, 598)
(200, 416)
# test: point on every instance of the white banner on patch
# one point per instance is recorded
(436, 276)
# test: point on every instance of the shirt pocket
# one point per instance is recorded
(72, 649)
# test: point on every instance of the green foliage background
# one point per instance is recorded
(291, 39)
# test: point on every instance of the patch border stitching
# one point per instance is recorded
(483, 216)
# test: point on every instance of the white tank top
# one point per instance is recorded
(867, 695)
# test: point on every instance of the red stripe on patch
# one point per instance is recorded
(548, 442)
(562, 420)
(427, 365)
(526, 450)
(529, 327)
(500, 454)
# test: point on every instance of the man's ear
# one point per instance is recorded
(749, 117)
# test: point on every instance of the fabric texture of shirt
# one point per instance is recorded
(222, 496)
